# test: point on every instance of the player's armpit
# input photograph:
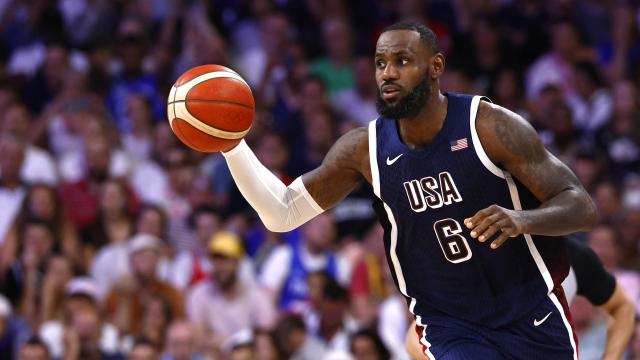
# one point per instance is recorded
(344, 167)
(512, 143)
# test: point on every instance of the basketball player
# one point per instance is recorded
(589, 278)
(471, 202)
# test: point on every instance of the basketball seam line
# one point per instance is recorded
(211, 100)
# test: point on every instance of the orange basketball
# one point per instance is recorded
(210, 108)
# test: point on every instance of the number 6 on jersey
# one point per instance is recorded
(454, 246)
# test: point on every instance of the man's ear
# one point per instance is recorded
(436, 68)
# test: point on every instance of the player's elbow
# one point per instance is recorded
(591, 214)
(278, 226)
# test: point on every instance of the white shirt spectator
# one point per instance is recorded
(250, 307)
(38, 167)
(549, 69)
(72, 165)
(111, 262)
(353, 107)
(393, 325)
(10, 204)
(182, 267)
(276, 266)
(594, 113)
(150, 183)
(52, 332)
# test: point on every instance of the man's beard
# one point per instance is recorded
(408, 106)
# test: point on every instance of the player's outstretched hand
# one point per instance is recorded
(489, 221)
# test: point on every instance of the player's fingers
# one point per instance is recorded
(475, 219)
(500, 240)
(484, 225)
(489, 232)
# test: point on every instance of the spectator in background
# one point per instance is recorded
(13, 330)
(507, 90)
(12, 190)
(143, 349)
(557, 66)
(602, 240)
(81, 326)
(111, 263)
(60, 271)
(49, 78)
(33, 349)
(43, 203)
(366, 344)
(285, 271)
(190, 267)
(294, 342)
(589, 167)
(590, 327)
(333, 325)
(594, 104)
(620, 139)
(81, 196)
(608, 204)
(150, 179)
(138, 141)
(182, 342)
(112, 227)
(486, 53)
(130, 294)
(560, 137)
(132, 43)
(335, 69)
(226, 304)
(156, 317)
(264, 345)
(198, 31)
(359, 103)
(264, 61)
(367, 287)
(38, 165)
(22, 282)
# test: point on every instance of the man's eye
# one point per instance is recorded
(380, 63)
(404, 61)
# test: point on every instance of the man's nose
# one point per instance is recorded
(390, 72)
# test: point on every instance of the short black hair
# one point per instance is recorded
(205, 209)
(374, 337)
(427, 35)
(144, 341)
(334, 291)
(37, 341)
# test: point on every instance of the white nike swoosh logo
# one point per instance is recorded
(538, 322)
(391, 161)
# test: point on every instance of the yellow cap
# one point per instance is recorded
(227, 244)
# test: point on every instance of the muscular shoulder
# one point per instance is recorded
(506, 136)
(351, 151)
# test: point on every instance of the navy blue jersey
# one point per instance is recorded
(425, 196)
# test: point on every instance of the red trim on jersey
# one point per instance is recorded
(420, 330)
(559, 292)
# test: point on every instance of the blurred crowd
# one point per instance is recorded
(118, 242)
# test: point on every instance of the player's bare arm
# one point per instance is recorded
(513, 144)
(620, 327)
(344, 167)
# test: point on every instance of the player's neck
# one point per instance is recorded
(419, 131)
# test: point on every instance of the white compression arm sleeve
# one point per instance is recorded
(281, 208)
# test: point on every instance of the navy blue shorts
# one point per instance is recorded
(544, 333)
